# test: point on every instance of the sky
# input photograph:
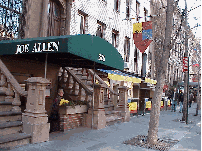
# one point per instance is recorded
(194, 16)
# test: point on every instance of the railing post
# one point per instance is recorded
(16, 103)
(35, 118)
(123, 103)
(9, 93)
(99, 119)
(80, 93)
(3, 80)
(115, 99)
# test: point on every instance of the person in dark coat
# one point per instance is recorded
(55, 117)
(174, 101)
(191, 98)
(181, 98)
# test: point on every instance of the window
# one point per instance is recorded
(127, 9)
(145, 14)
(117, 5)
(126, 49)
(115, 36)
(54, 18)
(101, 29)
(144, 60)
(135, 59)
(137, 11)
(83, 22)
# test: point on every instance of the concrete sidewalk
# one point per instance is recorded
(111, 138)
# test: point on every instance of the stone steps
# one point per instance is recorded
(10, 127)
(113, 117)
(109, 107)
(112, 113)
(5, 106)
(8, 116)
(9, 141)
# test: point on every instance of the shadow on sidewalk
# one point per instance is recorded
(67, 134)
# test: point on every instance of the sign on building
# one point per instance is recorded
(185, 64)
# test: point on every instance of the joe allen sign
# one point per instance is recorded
(38, 47)
(185, 64)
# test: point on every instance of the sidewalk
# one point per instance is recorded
(111, 138)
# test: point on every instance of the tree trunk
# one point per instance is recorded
(198, 97)
(155, 112)
(186, 81)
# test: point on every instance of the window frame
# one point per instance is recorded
(117, 5)
(136, 60)
(126, 49)
(83, 22)
(145, 14)
(137, 11)
(102, 29)
(127, 9)
(115, 34)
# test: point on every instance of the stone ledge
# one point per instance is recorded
(13, 137)
(9, 113)
(37, 80)
(10, 124)
(5, 103)
(113, 118)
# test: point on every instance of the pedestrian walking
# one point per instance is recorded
(174, 101)
(181, 100)
(191, 98)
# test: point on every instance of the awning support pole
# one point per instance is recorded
(46, 65)
(93, 93)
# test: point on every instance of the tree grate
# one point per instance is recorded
(176, 120)
(141, 141)
(179, 120)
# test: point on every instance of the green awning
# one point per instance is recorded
(70, 50)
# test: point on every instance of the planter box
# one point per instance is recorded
(70, 110)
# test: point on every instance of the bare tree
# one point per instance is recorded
(162, 44)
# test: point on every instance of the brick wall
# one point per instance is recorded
(71, 121)
(104, 12)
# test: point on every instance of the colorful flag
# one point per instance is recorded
(142, 35)
(196, 64)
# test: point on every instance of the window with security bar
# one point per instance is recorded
(12, 19)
